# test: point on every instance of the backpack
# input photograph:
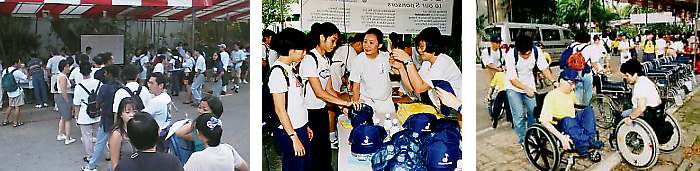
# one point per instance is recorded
(573, 60)
(535, 70)
(134, 95)
(137, 63)
(9, 83)
(178, 62)
(271, 118)
(92, 109)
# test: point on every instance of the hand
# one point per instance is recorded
(628, 120)
(400, 55)
(565, 142)
(310, 132)
(530, 93)
(298, 147)
(448, 99)
(355, 104)
(395, 64)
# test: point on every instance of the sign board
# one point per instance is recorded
(400, 16)
(104, 43)
(659, 17)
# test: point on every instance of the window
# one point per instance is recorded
(568, 34)
(532, 33)
(550, 35)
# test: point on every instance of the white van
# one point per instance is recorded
(555, 38)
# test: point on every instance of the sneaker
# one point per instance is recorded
(55, 109)
(38, 106)
(60, 137)
(334, 145)
(46, 105)
(69, 140)
(245, 82)
(85, 168)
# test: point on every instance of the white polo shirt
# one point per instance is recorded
(645, 89)
(200, 64)
(373, 76)
(122, 93)
(341, 62)
(308, 69)
(225, 59)
(53, 64)
(298, 115)
(159, 68)
(80, 98)
(522, 71)
(444, 69)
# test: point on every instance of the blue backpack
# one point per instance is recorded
(419, 122)
(565, 57)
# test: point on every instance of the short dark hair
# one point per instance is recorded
(160, 78)
(129, 72)
(582, 37)
(217, 108)
(632, 67)
(62, 64)
(98, 59)
(85, 69)
(142, 131)
(107, 56)
(112, 70)
(648, 32)
(523, 43)
(267, 33)
(596, 37)
(88, 48)
(433, 40)
(359, 37)
(394, 38)
(206, 125)
(288, 39)
(375, 32)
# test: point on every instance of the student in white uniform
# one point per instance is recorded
(158, 106)
(370, 76)
(293, 134)
(52, 68)
(88, 126)
(216, 155)
(625, 46)
(159, 67)
(644, 92)
(436, 64)
(343, 58)
(314, 69)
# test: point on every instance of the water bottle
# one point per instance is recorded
(387, 122)
(394, 128)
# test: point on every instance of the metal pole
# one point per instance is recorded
(589, 12)
(695, 32)
(194, 17)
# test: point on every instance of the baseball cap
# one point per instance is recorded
(495, 38)
(366, 139)
(442, 156)
(222, 45)
(569, 75)
(419, 122)
(362, 116)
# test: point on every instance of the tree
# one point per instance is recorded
(575, 12)
(275, 11)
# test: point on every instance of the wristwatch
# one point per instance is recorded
(292, 135)
(407, 62)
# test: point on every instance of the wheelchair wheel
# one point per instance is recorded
(542, 148)
(675, 140)
(637, 144)
(603, 109)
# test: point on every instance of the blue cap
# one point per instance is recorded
(366, 139)
(419, 122)
(442, 156)
(570, 75)
(445, 85)
(362, 116)
(495, 38)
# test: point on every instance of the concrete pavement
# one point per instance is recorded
(34, 146)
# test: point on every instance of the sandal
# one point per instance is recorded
(18, 124)
(5, 123)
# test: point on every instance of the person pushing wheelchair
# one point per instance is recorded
(575, 123)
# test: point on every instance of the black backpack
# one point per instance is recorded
(178, 62)
(92, 109)
(270, 118)
(137, 63)
(535, 69)
(134, 95)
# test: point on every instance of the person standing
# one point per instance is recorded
(520, 82)
(492, 57)
(142, 131)
(81, 100)
(592, 54)
(15, 93)
(158, 106)
(216, 156)
(176, 62)
(238, 56)
(649, 47)
(625, 47)
(217, 89)
(105, 101)
(198, 72)
(159, 67)
(64, 100)
(661, 45)
(119, 146)
(225, 61)
(52, 67)
(37, 73)
(293, 134)
(188, 70)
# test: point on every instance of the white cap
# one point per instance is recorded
(222, 45)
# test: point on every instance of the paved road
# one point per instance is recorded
(34, 146)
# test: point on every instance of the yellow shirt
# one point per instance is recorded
(649, 46)
(498, 81)
(548, 57)
(558, 105)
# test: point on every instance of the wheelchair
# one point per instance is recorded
(639, 144)
(545, 151)
(609, 101)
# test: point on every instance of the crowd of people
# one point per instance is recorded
(127, 109)
(308, 76)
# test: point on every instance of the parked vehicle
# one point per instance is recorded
(555, 38)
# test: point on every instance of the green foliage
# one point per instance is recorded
(275, 11)
(576, 12)
(17, 39)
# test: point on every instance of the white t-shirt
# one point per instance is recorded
(222, 157)
(271, 54)
(341, 62)
(122, 93)
(524, 69)
(308, 69)
(158, 68)
(225, 59)
(497, 56)
(158, 108)
(373, 76)
(298, 115)
(237, 58)
(443, 69)
(19, 76)
(172, 62)
(187, 64)
(200, 64)
(623, 47)
(53, 63)
(661, 46)
(677, 46)
(646, 89)
(80, 98)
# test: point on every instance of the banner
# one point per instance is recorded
(400, 16)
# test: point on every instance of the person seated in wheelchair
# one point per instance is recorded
(644, 92)
(568, 121)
